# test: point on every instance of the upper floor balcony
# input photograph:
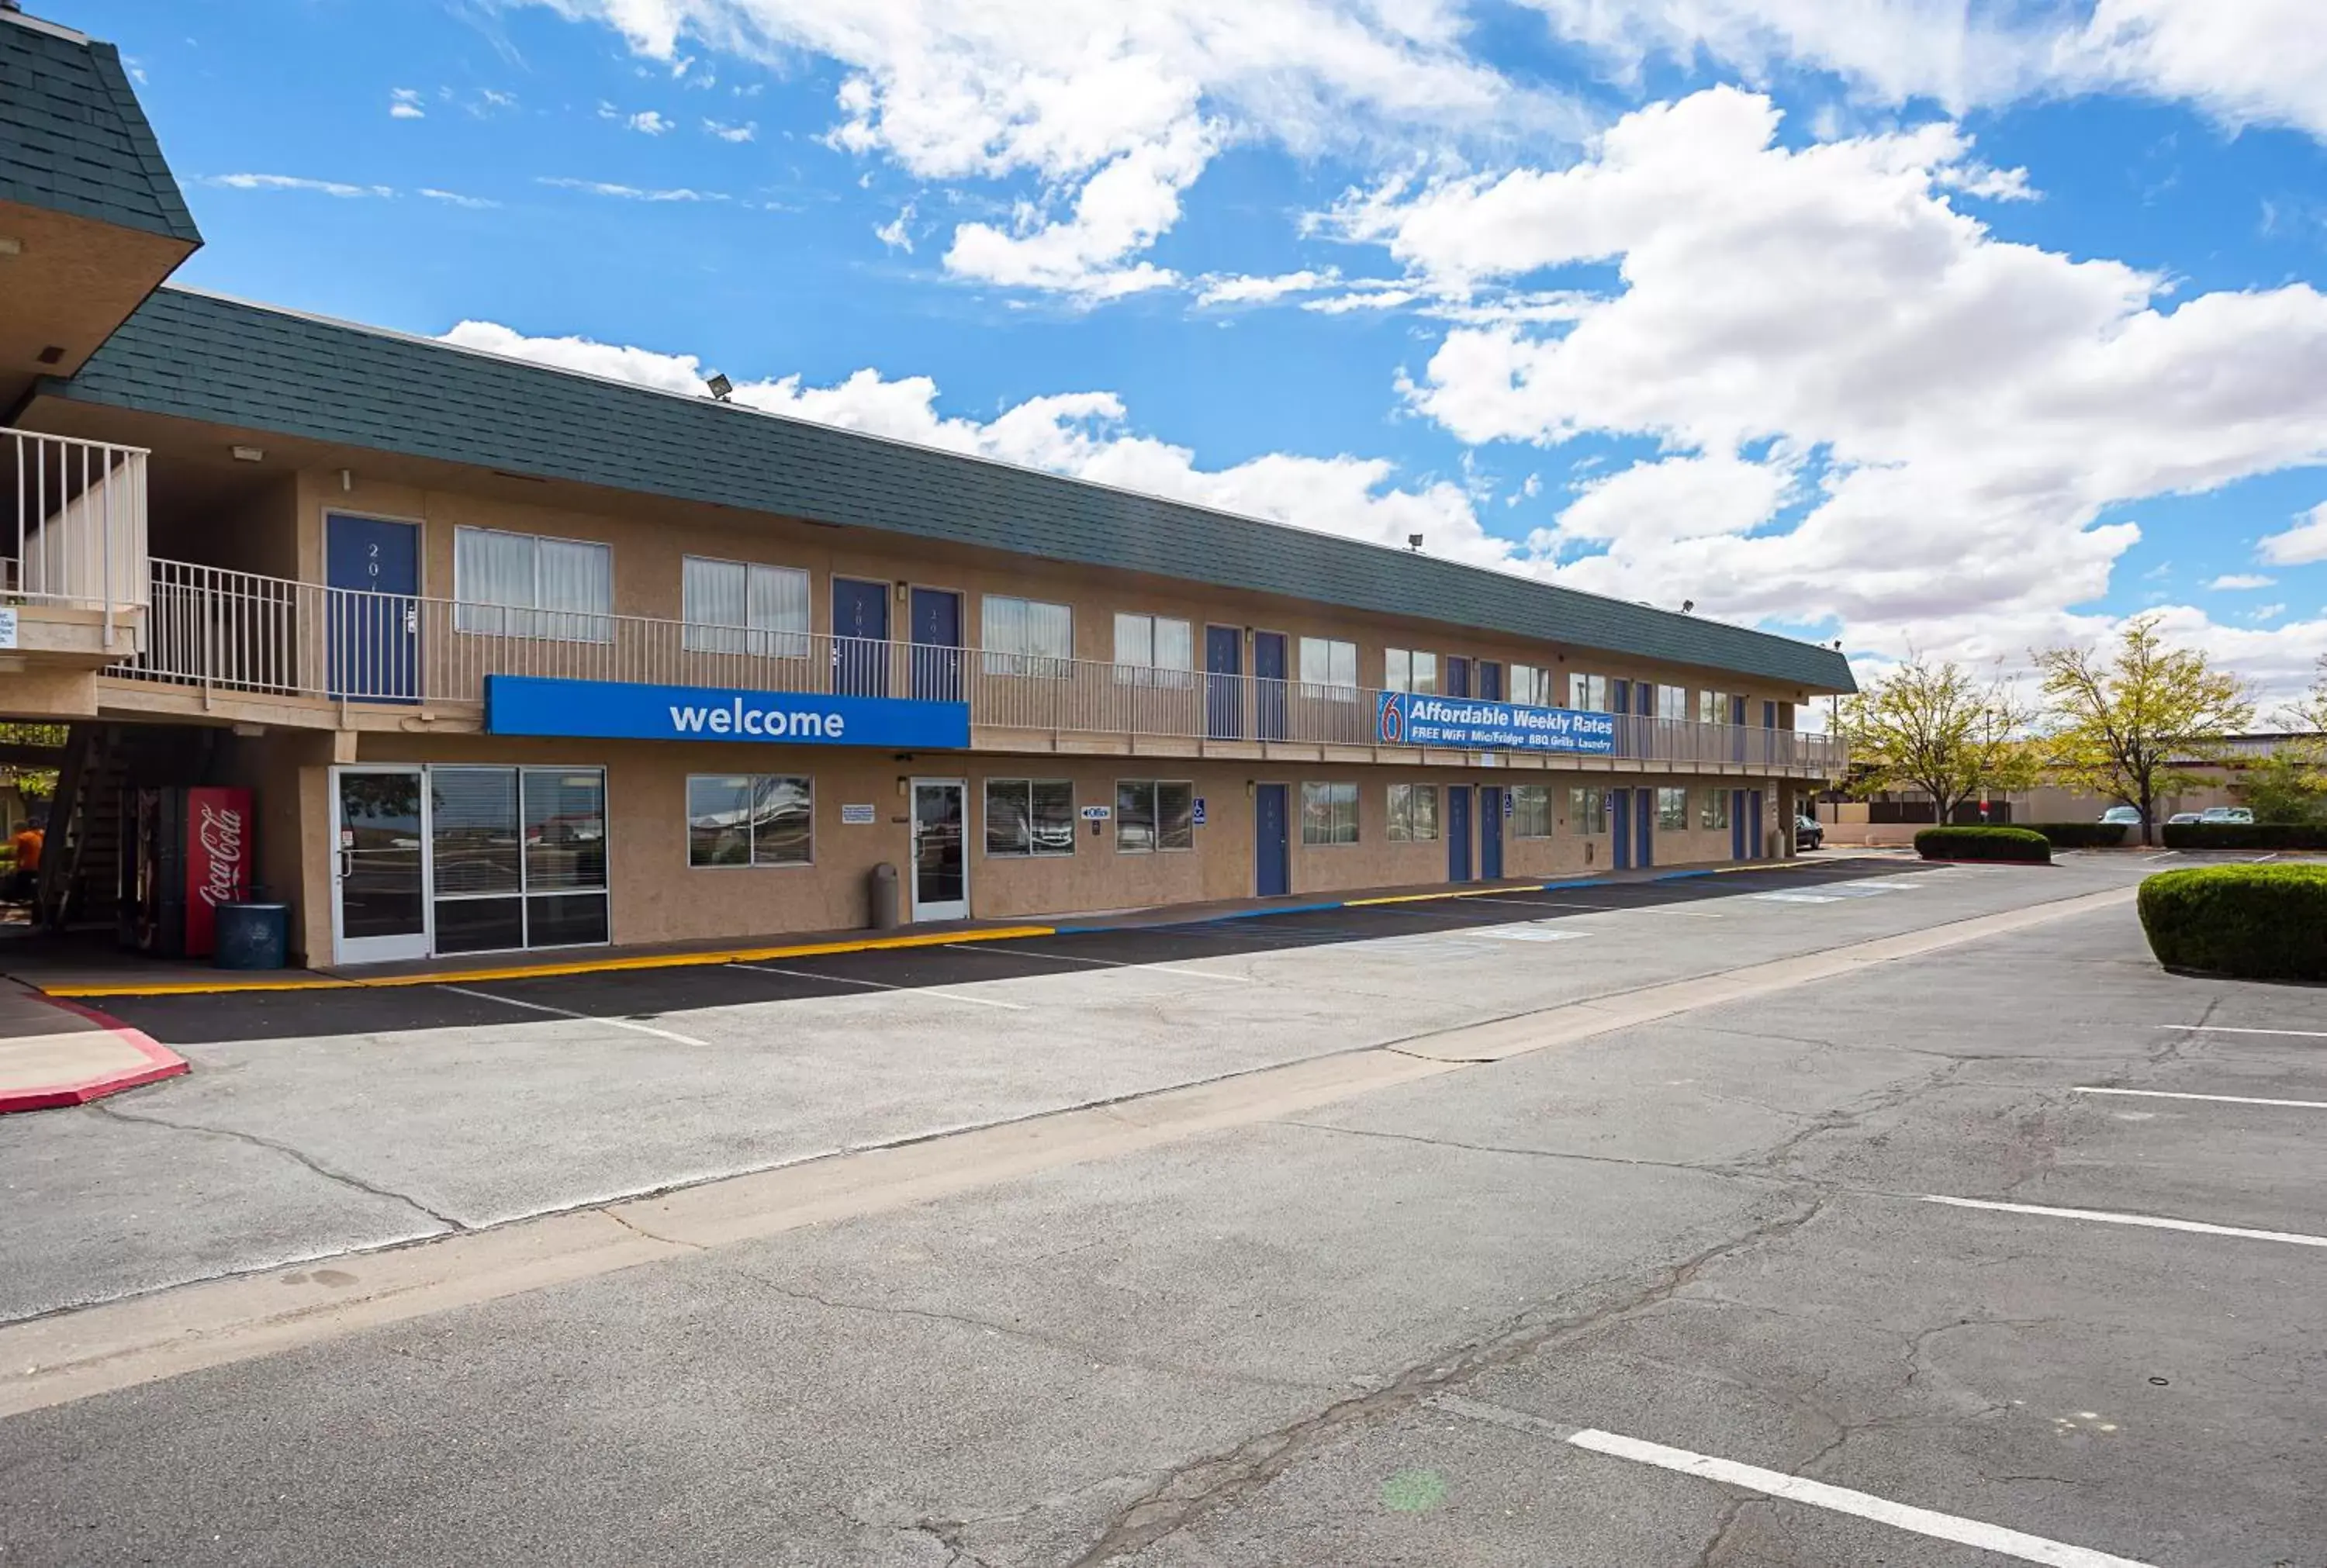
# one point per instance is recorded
(277, 650)
(74, 578)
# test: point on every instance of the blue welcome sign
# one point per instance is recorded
(518, 705)
(1472, 725)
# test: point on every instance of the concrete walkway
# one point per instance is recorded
(58, 1053)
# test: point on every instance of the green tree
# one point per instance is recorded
(2123, 726)
(1941, 730)
(2291, 784)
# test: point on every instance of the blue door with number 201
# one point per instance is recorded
(374, 622)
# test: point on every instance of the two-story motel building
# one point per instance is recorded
(517, 659)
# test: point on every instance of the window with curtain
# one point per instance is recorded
(1712, 708)
(1672, 702)
(529, 585)
(1672, 809)
(1405, 670)
(1531, 811)
(1530, 686)
(1413, 816)
(1329, 813)
(1026, 637)
(1587, 809)
(1153, 814)
(1030, 816)
(1714, 812)
(743, 607)
(1588, 693)
(1330, 667)
(1154, 651)
(750, 819)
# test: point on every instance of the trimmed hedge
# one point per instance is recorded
(2245, 835)
(2257, 922)
(2013, 843)
(2081, 835)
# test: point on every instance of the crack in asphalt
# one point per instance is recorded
(289, 1152)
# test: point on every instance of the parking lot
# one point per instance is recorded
(2004, 1248)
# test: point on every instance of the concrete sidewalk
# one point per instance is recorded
(59, 1053)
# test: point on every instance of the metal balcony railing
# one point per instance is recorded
(73, 526)
(237, 631)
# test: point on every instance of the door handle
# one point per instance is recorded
(347, 863)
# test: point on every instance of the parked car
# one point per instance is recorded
(2239, 814)
(2180, 817)
(1808, 832)
(2125, 815)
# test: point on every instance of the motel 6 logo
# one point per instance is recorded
(1389, 719)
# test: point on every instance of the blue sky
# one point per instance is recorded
(1961, 329)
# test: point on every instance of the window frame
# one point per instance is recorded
(1713, 815)
(1399, 814)
(525, 892)
(1147, 671)
(1679, 708)
(1539, 684)
(1587, 810)
(1336, 798)
(1672, 821)
(751, 861)
(1405, 669)
(750, 640)
(1018, 662)
(1154, 788)
(1541, 794)
(1032, 851)
(466, 619)
(1328, 689)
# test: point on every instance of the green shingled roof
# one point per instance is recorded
(197, 356)
(72, 137)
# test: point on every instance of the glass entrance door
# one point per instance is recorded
(940, 850)
(379, 904)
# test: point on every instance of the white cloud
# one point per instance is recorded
(1951, 414)
(631, 192)
(2239, 582)
(648, 121)
(1362, 299)
(454, 199)
(403, 104)
(1243, 289)
(1113, 110)
(2299, 546)
(2241, 62)
(2265, 613)
(726, 133)
(296, 182)
(897, 233)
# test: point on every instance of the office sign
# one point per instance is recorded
(1471, 724)
(8, 629)
(625, 711)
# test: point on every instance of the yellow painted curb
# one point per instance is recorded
(1433, 898)
(580, 967)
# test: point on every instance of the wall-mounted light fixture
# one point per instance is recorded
(719, 386)
(246, 454)
(1251, 789)
(347, 481)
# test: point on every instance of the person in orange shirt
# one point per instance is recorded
(27, 846)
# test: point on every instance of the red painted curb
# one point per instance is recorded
(162, 1063)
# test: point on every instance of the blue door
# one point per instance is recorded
(1458, 677)
(1490, 680)
(1620, 827)
(1737, 825)
(1644, 828)
(374, 624)
(1753, 811)
(1458, 832)
(1271, 848)
(1223, 681)
(860, 637)
(1491, 833)
(1268, 677)
(936, 645)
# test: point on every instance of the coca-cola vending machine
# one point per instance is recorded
(191, 853)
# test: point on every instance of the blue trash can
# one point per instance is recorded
(253, 935)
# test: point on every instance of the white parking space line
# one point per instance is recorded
(1098, 963)
(2227, 1028)
(1772, 1483)
(2217, 1099)
(939, 991)
(585, 1017)
(2149, 1221)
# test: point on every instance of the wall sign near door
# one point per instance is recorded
(8, 629)
(1097, 813)
(620, 710)
(1196, 818)
(858, 816)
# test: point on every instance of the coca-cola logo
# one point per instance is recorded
(220, 833)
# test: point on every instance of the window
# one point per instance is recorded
(1672, 809)
(1672, 702)
(525, 586)
(1531, 686)
(1154, 814)
(1027, 637)
(750, 819)
(742, 607)
(1715, 811)
(1330, 665)
(1712, 708)
(1531, 811)
(1154, 651)
(1588, 691)
(517, 857)
(1329, 813)
(1407, 671)
(1413, 814)
(1587, 809)
(1030, 816)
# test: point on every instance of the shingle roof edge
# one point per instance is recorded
(196, 354)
